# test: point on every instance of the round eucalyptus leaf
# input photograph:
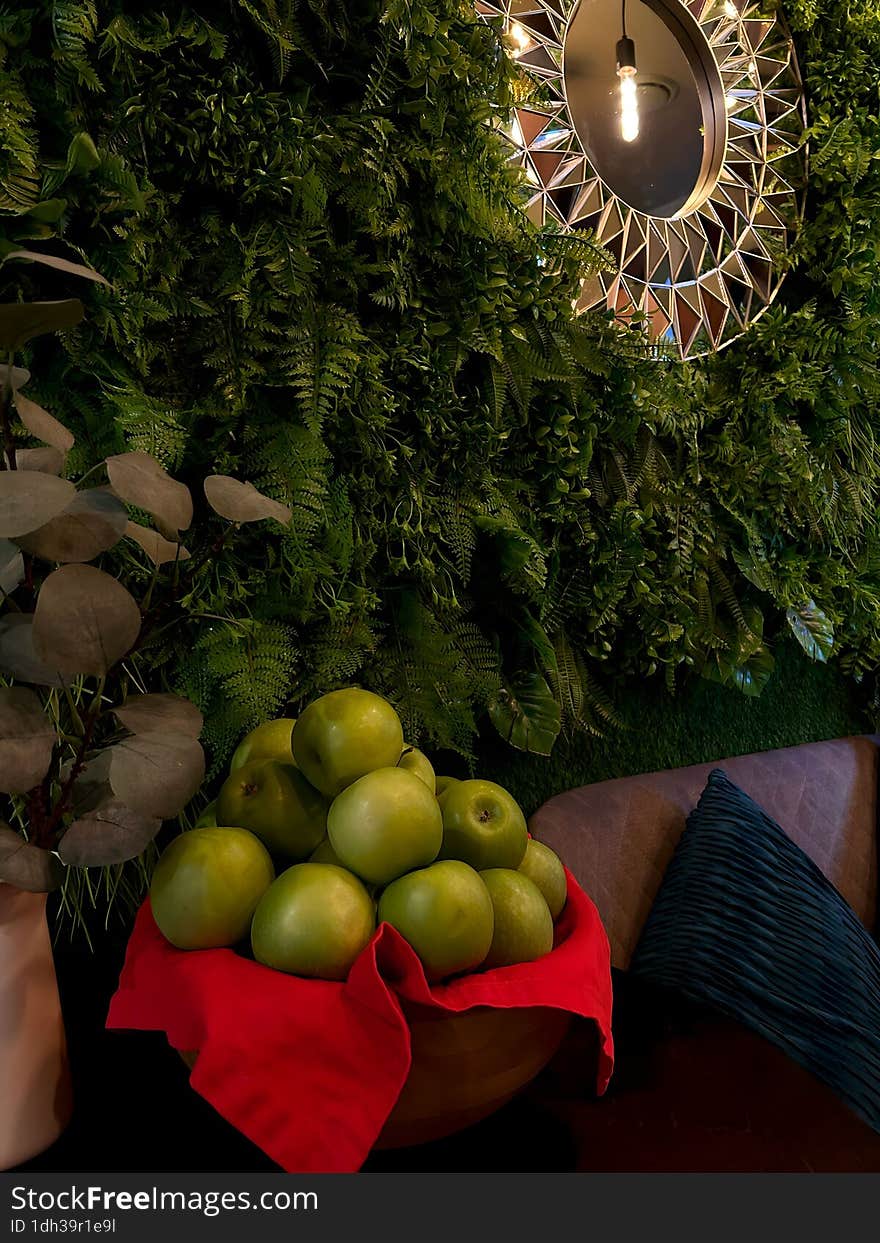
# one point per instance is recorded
(241, 502)
(46, 459)
(42, 424)
(20, 321)
(149, 714)
(26, 740)
(85, 621)
(92, 786)
(92, 523)
(110, 833)
(139, 479)
(29, 499)
(63, 265)
(11, 566)
(17, 656)
(13, 377)
(157, 774)
(159, 549)
(27, 866)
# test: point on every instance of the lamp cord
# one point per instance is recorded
(623, 16)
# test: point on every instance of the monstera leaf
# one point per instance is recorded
(526, 714)
(813, 629)
(749, 672)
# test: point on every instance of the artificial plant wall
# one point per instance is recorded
(322, 282)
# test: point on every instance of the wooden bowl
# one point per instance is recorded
(464, 1067)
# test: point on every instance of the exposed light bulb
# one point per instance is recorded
(730, 9)
(629, 106)
(629, 91)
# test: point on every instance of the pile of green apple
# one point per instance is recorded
(365, 832)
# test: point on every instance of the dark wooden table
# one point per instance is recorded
(691, 1091)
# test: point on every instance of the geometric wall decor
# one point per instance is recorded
(698, 209)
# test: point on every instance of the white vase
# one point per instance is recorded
(35, 1096)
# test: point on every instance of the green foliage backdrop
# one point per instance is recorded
(322, 282)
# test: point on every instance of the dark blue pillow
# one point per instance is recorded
(745, 921)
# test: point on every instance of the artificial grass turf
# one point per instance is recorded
(803, 702)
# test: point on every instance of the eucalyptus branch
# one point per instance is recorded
(63, 801)
(5, 419)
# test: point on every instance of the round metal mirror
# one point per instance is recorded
(698, 200)
(673, 163)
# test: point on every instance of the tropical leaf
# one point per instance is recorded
(526, 714)
(813, 629)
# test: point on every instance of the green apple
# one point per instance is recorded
(443, 783)
(313, 921)
(523, 923)
(344, 735)
(445, 913)
(324, 853)
(415, 761)
(269, 741)
(206, 887)
(543, 866)
(277, 803)
(387, 823)
(482, 825)
(208, 818)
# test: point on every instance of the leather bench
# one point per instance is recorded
(694, 1090)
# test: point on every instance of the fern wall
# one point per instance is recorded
(322, 281)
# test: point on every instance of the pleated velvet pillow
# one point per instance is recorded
(747, 923)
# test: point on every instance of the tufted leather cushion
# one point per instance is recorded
(618, 837)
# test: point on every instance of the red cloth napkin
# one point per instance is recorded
(309, 1069)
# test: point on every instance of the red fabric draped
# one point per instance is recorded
(310, 1070)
